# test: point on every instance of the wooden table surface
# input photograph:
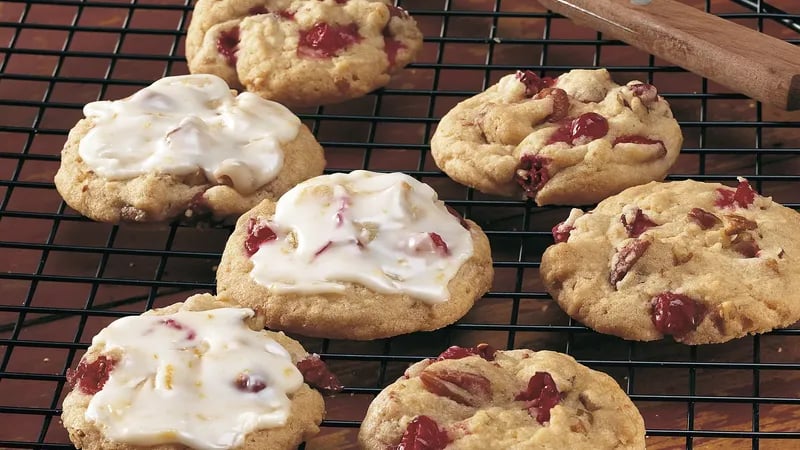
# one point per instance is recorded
(741, 386)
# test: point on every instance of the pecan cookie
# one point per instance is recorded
(478, 398)
(572, 140)
(199, 374)
(302, 52)
(356, 256)
(183, 146)
(703, 262)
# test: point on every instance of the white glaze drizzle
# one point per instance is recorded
(185, 124)
(176, 380)
(366, 228)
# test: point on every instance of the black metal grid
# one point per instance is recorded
(64, 277)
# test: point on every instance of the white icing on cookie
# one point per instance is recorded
(185, 124)
(184, 378)
(388, 232)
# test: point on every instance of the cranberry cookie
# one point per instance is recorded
(703, 262)
(199, 374)
(572, 140)
(184, 145)
(302, 52)
(356, 256)
(478, 398)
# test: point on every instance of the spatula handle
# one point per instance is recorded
(755, 64)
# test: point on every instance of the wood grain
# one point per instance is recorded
(753, 63)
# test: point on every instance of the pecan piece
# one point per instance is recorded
(560, 102)
(625, 258)
(735, 224)
(703, 218)
(466, 388)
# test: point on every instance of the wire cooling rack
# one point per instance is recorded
(64, 277)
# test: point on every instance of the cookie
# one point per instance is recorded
(302, 52)
(183, 146)
(573, 140)
(356, 256)
(199, 374)
(479, 398)
(703, 262)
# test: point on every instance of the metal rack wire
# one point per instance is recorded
(62, 277)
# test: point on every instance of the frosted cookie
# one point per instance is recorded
(183, 146)
(478, 398)
(702, 262)
(302, 52)
(198, 374)
(571, 140)
(356, 256)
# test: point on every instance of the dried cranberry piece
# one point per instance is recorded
(455, 213)
(258, 233)
(228, 45)
(703, 218)
(532, 174)
(561, 232)
(742, 197)
(588, 125)
(249, 383)
(638, 224)
(540, 396)
(483, 350)
(625, 258)
(323, 248)
(344, 204)
(675, 314)
(175, 325)
(439, 243)
(256, 10)
(91, 377)
(423, 433)
(324, 41)
(647, 93)
(391, 46)
(533, 83)
(591, 125)
(317, 375)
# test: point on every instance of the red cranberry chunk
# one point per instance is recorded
(636, 223)
(533, 83)
(675, 314)
(258, 233)
(742, 197)
(485, 351)
(625, 258)
(540, 396)
(392, 46)
(532, 174)
(324, 41)
(90, 378)
(323, 249)
(317, 375)
(647, 93)
(249, 383)
(423, 433)
(455, 213)
(589, 126)
(703, 218)
(175, 325)
(228, 45)
(561, 232)
(439, 243)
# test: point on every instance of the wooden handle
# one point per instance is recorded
(755, 64)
